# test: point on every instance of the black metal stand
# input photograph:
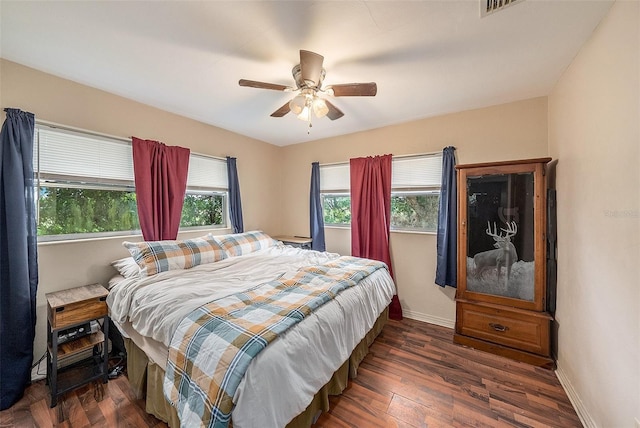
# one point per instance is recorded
(75, 375)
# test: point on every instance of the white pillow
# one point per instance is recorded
(115, 281)
(127, 267)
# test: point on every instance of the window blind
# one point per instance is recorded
(407, 173)
(61, 154)
(416, 172)
(335, 178)
(207, 173)
(64, 154)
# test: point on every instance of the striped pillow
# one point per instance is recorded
(160, 256)
(238, 244)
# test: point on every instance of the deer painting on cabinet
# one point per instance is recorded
(504, 254)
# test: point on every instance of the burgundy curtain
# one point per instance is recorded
(371, 214)
(161, 180)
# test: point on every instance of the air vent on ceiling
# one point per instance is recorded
(487, 7)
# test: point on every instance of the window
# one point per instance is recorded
(85, 187)
(336, 208)
(334, 192)
(415, 193)
(416, 211)
(67, 209)
(205, 202)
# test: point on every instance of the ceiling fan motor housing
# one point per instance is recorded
(302, 84)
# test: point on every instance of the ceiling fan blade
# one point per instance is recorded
(262, 85)
(311, 67)
(334, 112)
(354, 90)
(281, 111)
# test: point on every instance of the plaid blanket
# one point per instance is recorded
(213, 346)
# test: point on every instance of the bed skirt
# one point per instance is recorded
(146, 378)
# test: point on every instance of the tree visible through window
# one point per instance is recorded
(415, 192)
(70, 210)
(74, 210)
(336, 209)
(417, 211)
(202, 210)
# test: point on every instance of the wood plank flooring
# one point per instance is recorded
(414, 376)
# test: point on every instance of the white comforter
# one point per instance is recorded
(282, 380)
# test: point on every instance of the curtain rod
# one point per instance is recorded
(101, 134)
(393, 157)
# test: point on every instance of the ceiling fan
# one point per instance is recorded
(309, 76)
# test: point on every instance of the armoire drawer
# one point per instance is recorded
(515, 328)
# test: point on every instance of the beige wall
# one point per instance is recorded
(593, 131)
(69, 264)
(511, 131)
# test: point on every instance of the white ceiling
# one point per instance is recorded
(427, 57)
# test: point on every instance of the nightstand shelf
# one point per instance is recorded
(76, 346)
(72, 377)
(69, 312)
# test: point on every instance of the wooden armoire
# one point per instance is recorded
(501, 302)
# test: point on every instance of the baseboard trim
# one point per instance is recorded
(418, 316)
(583, 414)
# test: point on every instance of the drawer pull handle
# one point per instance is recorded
(498, 327)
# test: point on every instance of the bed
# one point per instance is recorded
(303, 364)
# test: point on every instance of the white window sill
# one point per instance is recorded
(413, 232)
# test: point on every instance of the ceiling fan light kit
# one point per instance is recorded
(320, 108)
(306, 102)
(309, 75)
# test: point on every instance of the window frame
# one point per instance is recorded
(80, 236)
(340, 194)
(201, 188)
(225, 210)
(342, 188)
(93, 183)
(426, 191)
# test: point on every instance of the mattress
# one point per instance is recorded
(300, 361)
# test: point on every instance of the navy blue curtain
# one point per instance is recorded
(446, 270)
(316, 221)
(18, 256)
(235, 203)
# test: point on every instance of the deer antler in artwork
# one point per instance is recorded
(504, 255)
(511, 230)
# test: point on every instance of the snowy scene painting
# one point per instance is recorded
(519, 285)
(500, 239)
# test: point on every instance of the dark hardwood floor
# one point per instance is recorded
(414, 376)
